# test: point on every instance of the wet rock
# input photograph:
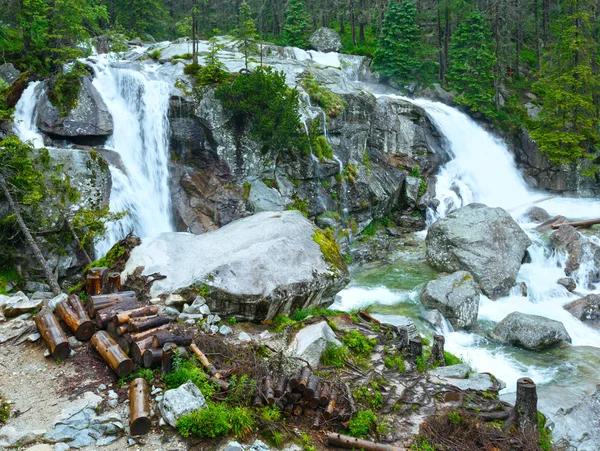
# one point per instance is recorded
(410, 195)
(530, 331)
(484, 241)
(535, 214)
(33, 337)
(174, 300)
(32, 287)
(586, 309)
(8, 73)
(325, 40)
(20, 304)
(547, 225)
(89, 118)
(436, 319)
(13, 438)
(196, 307)
(244, 337)
(311, 341)
(460, 371)
(456, 296)
(233, 446)
(568, 283)
(259, 445)
(225, 330)
(263, 198)
(243, 267)
(580, 251)
(181, 401)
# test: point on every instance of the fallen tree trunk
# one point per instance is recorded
(102, 301)
(205, 362)
(124, 316)
(112, 354)
(71, 311)
(167, 337)
(585, 224)
(345, 441)
(147, 323)
(139, 407)
(53, 335)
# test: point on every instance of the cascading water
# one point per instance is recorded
(25, 116)
(481, 169)
(139, 103)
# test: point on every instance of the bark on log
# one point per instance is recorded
(113, 283)
(258, 402)
(124, 343)
(345, 441)
(328, 412)
(124, 316)
(313, 388)
(138, 348)
(120, 330)
(304, 375)
(269, 392)
(403, 339)
(281, 386)
(324, 396)
(437, 350)
(53, 334)
(147, 322)
(152, 358)
(139, 407)
(102, 301)
(94, 280)
(167, 337)
(297, 410)
(168, 353)
(294, 398)
(71, 311)
(416, 349)
(526, 405)
(293, 382)
(288, 409)
(369, 317)
(493, 416)
(223, 385)
(112, 354)
(314, 403)
(112, 331)
(106, 315)
(316, 423)
(585, 224)
(205, 362)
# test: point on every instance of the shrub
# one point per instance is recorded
(242, 421)
(334, 356)
(155, 54)
(191, 69)
(395, 362)
(362, 423)
(369, 397)
(332, 103)
(451, 359)
(63, 90)
(241, 389)
(210, 422)
(359, 343)
(189, 371)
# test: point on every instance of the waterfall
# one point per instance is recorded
(25, 116)
(139, 103)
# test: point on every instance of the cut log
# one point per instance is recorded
(297, 410)
(124, 343)
(205, 362)
(106, 315)
(147, 323)
(294, 381)
(223, 385)
(308, 411)
(416, 349)
(526, 405)
(437, 350)
(324, 396)
(316, 423)
(168, 354)
(258, 402)
(112, 331)
(345, 441)
(53, 334)
(113, 283)
(138, 348)
(269, 392)
(294, 398)
(585, 224)
(167, 337)
(124, 316)
(281, 385)
(94, 280)
(152, 358)
(314, 403)
(103, 301)
(73, 314)
(304, 375)
(120, 330)
(313, 388)
(139, 407)
(329, 410)
(403, 339)
(112, 354)
(288, 409)
(369, 317)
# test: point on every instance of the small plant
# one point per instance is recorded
(144, 373)
(189, 371)
(192, 69)
(242, 421)
(232, 321)
(280, 321)
(451, 359)
(270, 413)
(247, 188)
(545, 439)
(306, 442)
(395, 362)
(358, 343)
(454, 417)
(369, 396)
(332, 103)
(4, 409)
(298, 204)
(63, 89)
(362, 423)
(155, 54)
(334, 356)
(210, 422)
(241, 389)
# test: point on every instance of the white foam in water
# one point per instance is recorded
(25, 116)
(357, 297)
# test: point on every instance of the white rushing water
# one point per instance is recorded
(139, 103)
(481, 169)
(25, 116)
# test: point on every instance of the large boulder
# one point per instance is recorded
(180, 401)
(582, 254)
(8, 73)
(456, 296)
(90, 118)
(586, 309)
(311, 341)
(485, 241)
(253, 268)
(325, 40)
(530, 331)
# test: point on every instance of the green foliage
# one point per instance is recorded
(213, 72)
(270, 414)
(395, 362)
(192, 69)
(6, 113)
(64, 88)
(189, 371)
(296, 24)
(334, 356)
(241, 390)
(451, 359)
(145, 373)
(358, 343)
(280, 321)
(112, 257)
(4, 409)
(140, 16)
(210, 422)
(333, 104)
(568, 123)
(350, 173)
(302, 314)
(545, 439)
(422, 444)
(155, 54)
(369, 396)
(263, 101)
(242, 421)
(471, 65)
(330, 250)
(298, 204)
(398, 49)
(306, 442)
(362, 423)
(455, 417)
(246, 32)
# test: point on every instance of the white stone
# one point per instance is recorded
(56, 300)
(19, 304)
(310, 342)
(244, 337)
(174, 300)
(34, 337)
(181, 401)
(225, 330)
(10, 437)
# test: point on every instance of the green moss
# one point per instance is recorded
(368, 396)
(396, 362)
(362, 423)
(211, 422)
(545, 439)
(349, 173)
(451, 359)
(247, 188)
(4, 409)
(334, 356)
(190, 371)
(111, 258)
(330, 250)
(155, 54)
(145, 373)
(358, 343)
(298, 204)
(332, 103)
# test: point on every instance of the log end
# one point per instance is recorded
(85, 331)
(125, 368)
(62, 351)
(140, 426)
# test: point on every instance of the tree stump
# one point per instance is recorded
(437, 350)
(526, 405)
(416, 349)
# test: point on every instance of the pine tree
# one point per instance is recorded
(397, 54)
(471, 65)
(568, 125)
(296, 24)
(246, 32)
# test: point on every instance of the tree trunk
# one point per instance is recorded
(329, 410)
(281, 386)
(205, 362)
(324, 396)
(107, 315)
(71, 311)
(147, 323)
(113, 283)
(37, 253)
(86, 256)
(53, 335)
(152, 358)
(124, 316)
(168, 354)
(112, 354)
(139, 407)
(269, 392)
(416, 349)
(526, 405)
(345, 441)
(313, 387)
(94, 280)
(167, 337)
(584, 224)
